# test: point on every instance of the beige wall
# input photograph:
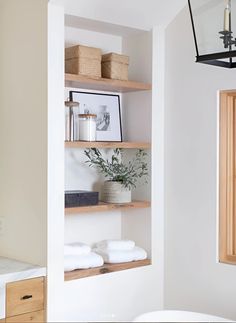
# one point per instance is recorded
(23, 129)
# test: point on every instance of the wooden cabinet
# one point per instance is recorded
(25, 300)
(25, 296)
(25, 318)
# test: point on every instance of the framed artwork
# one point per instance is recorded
(107, 109)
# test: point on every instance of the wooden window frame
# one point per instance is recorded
(227, 177)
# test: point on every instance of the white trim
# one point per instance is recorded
(158, 118)
(55, 221)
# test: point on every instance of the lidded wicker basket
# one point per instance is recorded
(115, 66)
(83, 60)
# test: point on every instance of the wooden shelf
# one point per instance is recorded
(106, 269)
(99, 144)
(102, 84)
(101, 207)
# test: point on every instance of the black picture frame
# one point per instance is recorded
(107, 108)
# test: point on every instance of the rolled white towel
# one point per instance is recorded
(115, 245)
(91, 260)
(119, 256)
(76, 248)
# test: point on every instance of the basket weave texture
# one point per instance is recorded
(115, 66)
(83, 60)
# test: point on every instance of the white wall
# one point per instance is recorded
(193, 278)
(55, 219)
(106, 42)
(23, 129)
(141, 14)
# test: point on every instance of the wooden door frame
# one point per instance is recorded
(227, 177)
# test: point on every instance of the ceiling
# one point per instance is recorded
(141, 14)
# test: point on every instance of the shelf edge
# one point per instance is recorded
(107, 144)
(106, 269)
(83, 82)
(104, 207)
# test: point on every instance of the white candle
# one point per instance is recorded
(87, 129)
(227, 17)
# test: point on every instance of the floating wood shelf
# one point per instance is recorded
(101, 207)
(102, 84)
(99, 144)
(106, 269)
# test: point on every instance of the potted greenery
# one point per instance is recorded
(122, 176)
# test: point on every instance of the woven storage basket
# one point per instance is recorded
(115, 66)
(83, 60)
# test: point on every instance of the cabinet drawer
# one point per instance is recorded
(25, 296)
(37, 317)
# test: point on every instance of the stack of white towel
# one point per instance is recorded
(80, 256)
(118, 251)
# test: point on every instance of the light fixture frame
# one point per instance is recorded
(212, 59)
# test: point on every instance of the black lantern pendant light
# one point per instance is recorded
(213, 30)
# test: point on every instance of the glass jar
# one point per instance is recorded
(87, 127)
(70, 120)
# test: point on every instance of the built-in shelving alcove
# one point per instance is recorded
(112, 221)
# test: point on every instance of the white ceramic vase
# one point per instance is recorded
(114, 192)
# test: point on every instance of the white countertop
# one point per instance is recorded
(13, 270)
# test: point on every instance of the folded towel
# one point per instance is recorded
(76, 248)
(91, 260)
(115, 245)
(119, 256)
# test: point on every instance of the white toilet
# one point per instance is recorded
(178, 316)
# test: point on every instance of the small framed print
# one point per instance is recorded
(107, 109)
